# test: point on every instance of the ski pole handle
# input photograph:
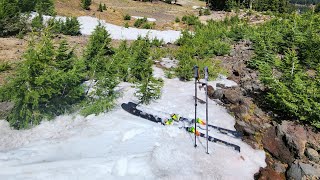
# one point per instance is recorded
(206, 74)
(196, 72)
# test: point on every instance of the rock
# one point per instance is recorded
(220, 85)
(313, 139)
(244, 128)
(279, 167)
(270, 174)
(294, 136)
(217, 94)
(231, 96)
(5, 108)
(299, 170)
(273, 144)
(312, 154)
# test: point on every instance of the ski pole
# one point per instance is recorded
(196, 77)
(206, 76)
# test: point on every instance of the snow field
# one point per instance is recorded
(118, 145)
(118, 32)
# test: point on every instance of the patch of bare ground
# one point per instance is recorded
(251, 16)
(164, 13)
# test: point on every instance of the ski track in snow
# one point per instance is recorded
(117, 144)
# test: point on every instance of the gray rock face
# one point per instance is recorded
(217, 94)
(299, 170)
(312, 154)
(294, 135)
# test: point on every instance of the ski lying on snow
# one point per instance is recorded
(220, 129)
(132, 109)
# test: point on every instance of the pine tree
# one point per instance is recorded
(10, 19)
(97, 56)
(71, 26)
(85, 4)
(45, 7)
(100, 9)
(140, 67)
(317, 8)
(27, 5)
(41, 89)
(99, 45)
(149, 89)
(104, 7)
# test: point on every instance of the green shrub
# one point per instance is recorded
(37, 23)
(41, 88)
(140, 22)
(190, 20)
(100, 8)
(149, 89)
(104, 7)
(45, 7)
(71, 27)
(85, 4)
(127, 17)
(177, 20)
(206, 12)
(4, 66)
(317, 8)
(126, 25)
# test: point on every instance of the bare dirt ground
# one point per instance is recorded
(164, 13)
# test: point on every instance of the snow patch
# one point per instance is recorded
(131, 134)
(117, 144)
(120, 167)
(148, 19)
(89, 23)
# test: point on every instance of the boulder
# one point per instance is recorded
(294, 136)
(270, 174)
(231, 96)
(217, 94)
(312, 154)
(220, 85)
(273, 144)
(299, 170)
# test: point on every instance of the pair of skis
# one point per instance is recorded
(189, 120)
(132, 109)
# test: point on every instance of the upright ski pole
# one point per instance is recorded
(206, 76)
(196, 77)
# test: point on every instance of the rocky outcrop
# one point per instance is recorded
(275, 146)
(5, 108)
(294, 135)
(292, 148)
(299, 170)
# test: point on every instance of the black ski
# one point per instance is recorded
(132, 109)
(220, 129)
(215, 140)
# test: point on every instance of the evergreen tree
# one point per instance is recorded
(71, 26)
(317, 8)
(41, 89)
(45, 7)
(104, 7)
(27, 5)
(85, 4)
(140, 67)
(100, 9)
(99, 45)
(149, 89)
(37, 23)
(10, 19)
(101, 93)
